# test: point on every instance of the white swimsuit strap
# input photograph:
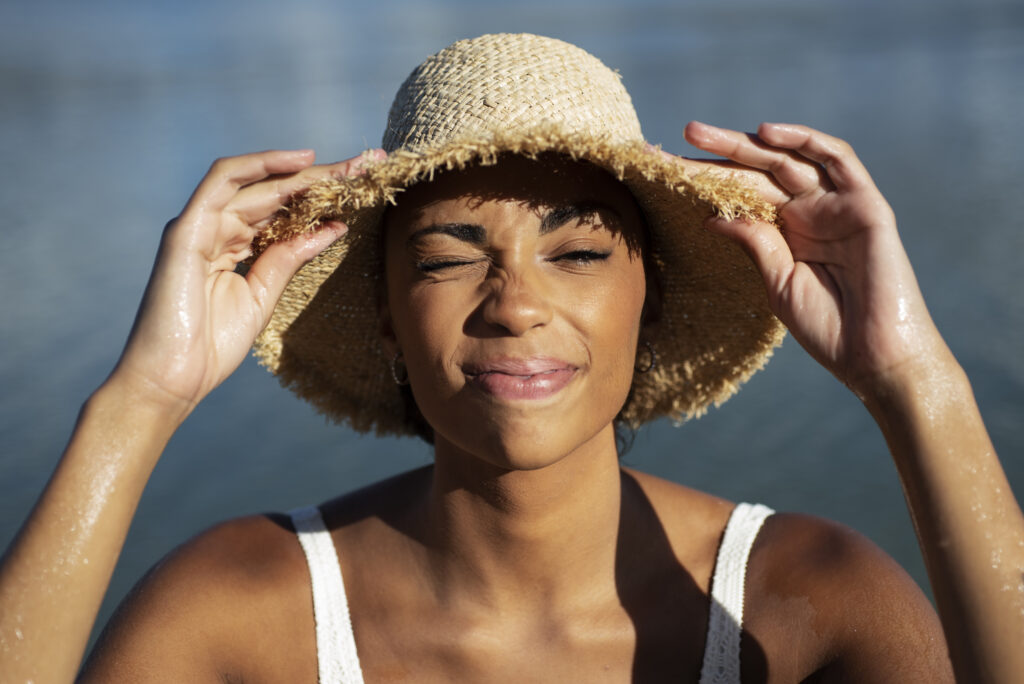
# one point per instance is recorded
(725, 624)
(337, 660)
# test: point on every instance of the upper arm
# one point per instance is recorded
(227, 602)
(826, 595)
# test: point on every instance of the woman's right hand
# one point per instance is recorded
(197, 321)
(198, 317)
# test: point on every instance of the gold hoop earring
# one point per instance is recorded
(403, 378)
(652, 361)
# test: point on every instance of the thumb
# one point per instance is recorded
(271, 272)
(763, 242)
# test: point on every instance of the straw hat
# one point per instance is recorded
(527, 95)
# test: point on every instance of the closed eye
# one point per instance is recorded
(430, 266)
(577, 257)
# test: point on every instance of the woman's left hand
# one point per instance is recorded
(836, 274)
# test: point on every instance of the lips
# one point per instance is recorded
(511, 379)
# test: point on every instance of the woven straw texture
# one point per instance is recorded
(528, 95)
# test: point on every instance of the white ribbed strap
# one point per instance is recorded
(725, 624)
(335, 642)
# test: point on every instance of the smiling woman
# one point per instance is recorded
(515, 297)
(513, 275)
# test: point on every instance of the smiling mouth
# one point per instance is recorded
(521, 380)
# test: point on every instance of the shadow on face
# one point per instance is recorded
(550, 180)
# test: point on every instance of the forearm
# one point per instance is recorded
(967, 520)
(56, 571)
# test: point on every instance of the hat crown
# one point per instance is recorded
(503, 83)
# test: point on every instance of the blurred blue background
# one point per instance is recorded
(110, 113)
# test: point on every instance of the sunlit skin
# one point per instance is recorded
(526, 553)
(516, 303)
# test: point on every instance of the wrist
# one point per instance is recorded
(128, 399)
(936, 378)
(924, 401)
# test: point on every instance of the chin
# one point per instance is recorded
(528, 444)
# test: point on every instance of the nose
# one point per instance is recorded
(516, 304)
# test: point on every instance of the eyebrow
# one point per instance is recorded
(475, 234)
(556, 218)
(466, 232)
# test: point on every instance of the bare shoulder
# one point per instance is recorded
(231, 604)
(825, 602)
(822, 602)
(235, 602)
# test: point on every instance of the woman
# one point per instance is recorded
(544, 278)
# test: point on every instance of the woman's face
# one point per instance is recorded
(515, 294)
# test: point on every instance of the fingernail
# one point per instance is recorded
(697, 130)
(334, 226)
(714, 220)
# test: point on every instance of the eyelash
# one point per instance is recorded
(431, 266)
(582, 257)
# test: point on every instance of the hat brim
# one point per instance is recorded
(715, 330)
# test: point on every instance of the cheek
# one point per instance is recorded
(410, 312)
(622, 306)
(428, 326)
(610, 313)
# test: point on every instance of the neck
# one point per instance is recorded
(517, 539)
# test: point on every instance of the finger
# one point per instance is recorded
(256, 203)
(834, 154)
(691, 165)
(765, 185)
(271, 272)
(765, 245)
(259, 201)
(796, 175)
(228, 174)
